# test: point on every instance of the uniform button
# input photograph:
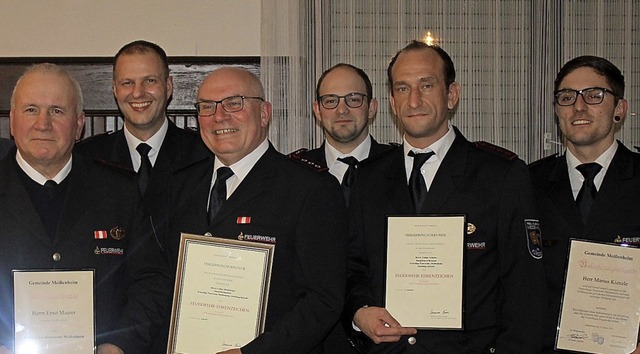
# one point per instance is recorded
(208, 234)
(411, 340)
(56, 256)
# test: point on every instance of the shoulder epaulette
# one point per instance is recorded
(544, 159)
(299, 151)
(637, 148)
(507, 154)
(393, 143)
(298, 156)
(94, 137)
(115, 166)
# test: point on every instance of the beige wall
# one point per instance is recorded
(98, 28)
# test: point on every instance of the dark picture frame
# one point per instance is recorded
(95, 76)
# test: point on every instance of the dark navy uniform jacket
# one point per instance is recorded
(132, 290)
(302, 212)
(613, 218)
(503, 282)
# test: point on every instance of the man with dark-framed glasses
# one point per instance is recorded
(248, 191)
(344, 108)
(592, 191)
(230, 105)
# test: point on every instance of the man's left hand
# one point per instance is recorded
(108, 348)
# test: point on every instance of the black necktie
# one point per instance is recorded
(587, 193)
(218, 192)
(416, 181)
(349, 176)
(145, 166)
(50, 185)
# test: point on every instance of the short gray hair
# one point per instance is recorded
(48, 68)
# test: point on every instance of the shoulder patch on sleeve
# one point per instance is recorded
(298, 156)
(534, 238)
(509, 155)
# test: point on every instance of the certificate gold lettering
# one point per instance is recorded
(221, 293)
(600, 310)
(54, 311)
(425, 270)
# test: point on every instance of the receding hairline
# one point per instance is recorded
(54, 70)
(360, 73)
(253, 82)
(142, 47)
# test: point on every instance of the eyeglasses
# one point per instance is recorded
(230, 104)
(590, 95)
(352, 100)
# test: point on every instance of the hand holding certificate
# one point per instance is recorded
(601, 303)
(424, 270)
(221, 293)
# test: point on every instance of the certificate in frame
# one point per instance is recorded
(220, 296)
(53, 311)
(600, 310)
(424, 274)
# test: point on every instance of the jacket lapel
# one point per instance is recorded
(562, 197)
(252, 187)
(612, 190)
(450, 177)
(120, 155)
(76, 203)
(397, 192)
(20, 207)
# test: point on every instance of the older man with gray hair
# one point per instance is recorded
(60, 211)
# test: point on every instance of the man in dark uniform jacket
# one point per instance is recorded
(5, 145)
(590, 109)
(142, 87)
(64, 211)
(344, 108)
(486, 183)
(266, 198)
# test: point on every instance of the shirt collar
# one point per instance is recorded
(37, 176)
(439, 147)
(361, 151)
(155, 142)
(603, 160)
(242, 168)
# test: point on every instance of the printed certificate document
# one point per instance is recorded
(53, 311)
(425, 270)
(600, 310)
(220, 297)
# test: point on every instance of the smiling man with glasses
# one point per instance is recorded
(249, 191)
(592, 191)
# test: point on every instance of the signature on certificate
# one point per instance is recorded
(578, 336)
(229, 345)
(439, 312)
